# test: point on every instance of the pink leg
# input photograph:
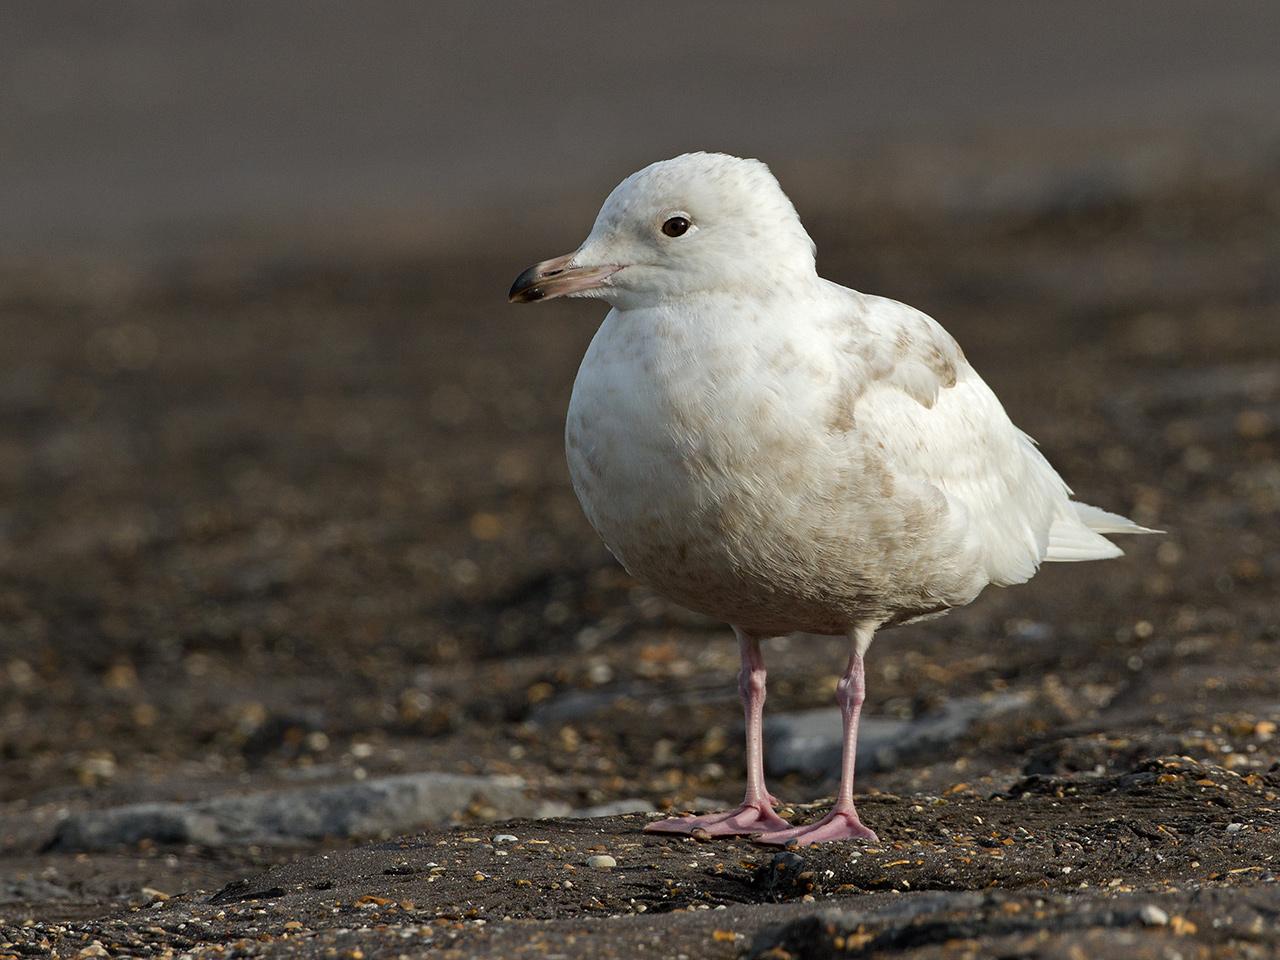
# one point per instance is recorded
(755, 813)
(842, 822)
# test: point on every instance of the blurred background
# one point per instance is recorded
(282, 496)
(142, 128)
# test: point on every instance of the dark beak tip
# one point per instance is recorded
(526, 289)
(521, 294)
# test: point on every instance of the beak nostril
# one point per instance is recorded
(553, 273)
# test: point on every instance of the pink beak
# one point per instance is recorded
(558, 278)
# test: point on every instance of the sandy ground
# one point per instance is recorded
(282, 522)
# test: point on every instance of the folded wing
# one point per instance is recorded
(942, 426)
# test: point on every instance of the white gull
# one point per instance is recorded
(784, 453)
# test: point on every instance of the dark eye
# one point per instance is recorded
(676, 226)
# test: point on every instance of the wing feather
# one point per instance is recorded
(942, 426)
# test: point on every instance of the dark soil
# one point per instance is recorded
(263, 525)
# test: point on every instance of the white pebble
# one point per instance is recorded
(601, 861)
(505, 838)
(1152, 915)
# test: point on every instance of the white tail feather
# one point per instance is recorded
(1101, 521)
(1080, 537)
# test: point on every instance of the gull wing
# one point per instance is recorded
(940, 425)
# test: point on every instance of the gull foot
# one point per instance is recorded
(836, 825)
(748, 818)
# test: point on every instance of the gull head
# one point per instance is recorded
(698, 223)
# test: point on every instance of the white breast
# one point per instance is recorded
(717, 459)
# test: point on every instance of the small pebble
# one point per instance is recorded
(1234, 827)
(601, 861)
(505, 838)
(1153, 916)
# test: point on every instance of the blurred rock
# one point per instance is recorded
(1011, 924)
(573, 705)
(809, 741)
(365, 809)
(616, 808)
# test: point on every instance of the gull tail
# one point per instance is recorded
(1079, 537)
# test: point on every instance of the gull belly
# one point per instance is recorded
(717, 453)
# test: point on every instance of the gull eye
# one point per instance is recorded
(676, 226)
